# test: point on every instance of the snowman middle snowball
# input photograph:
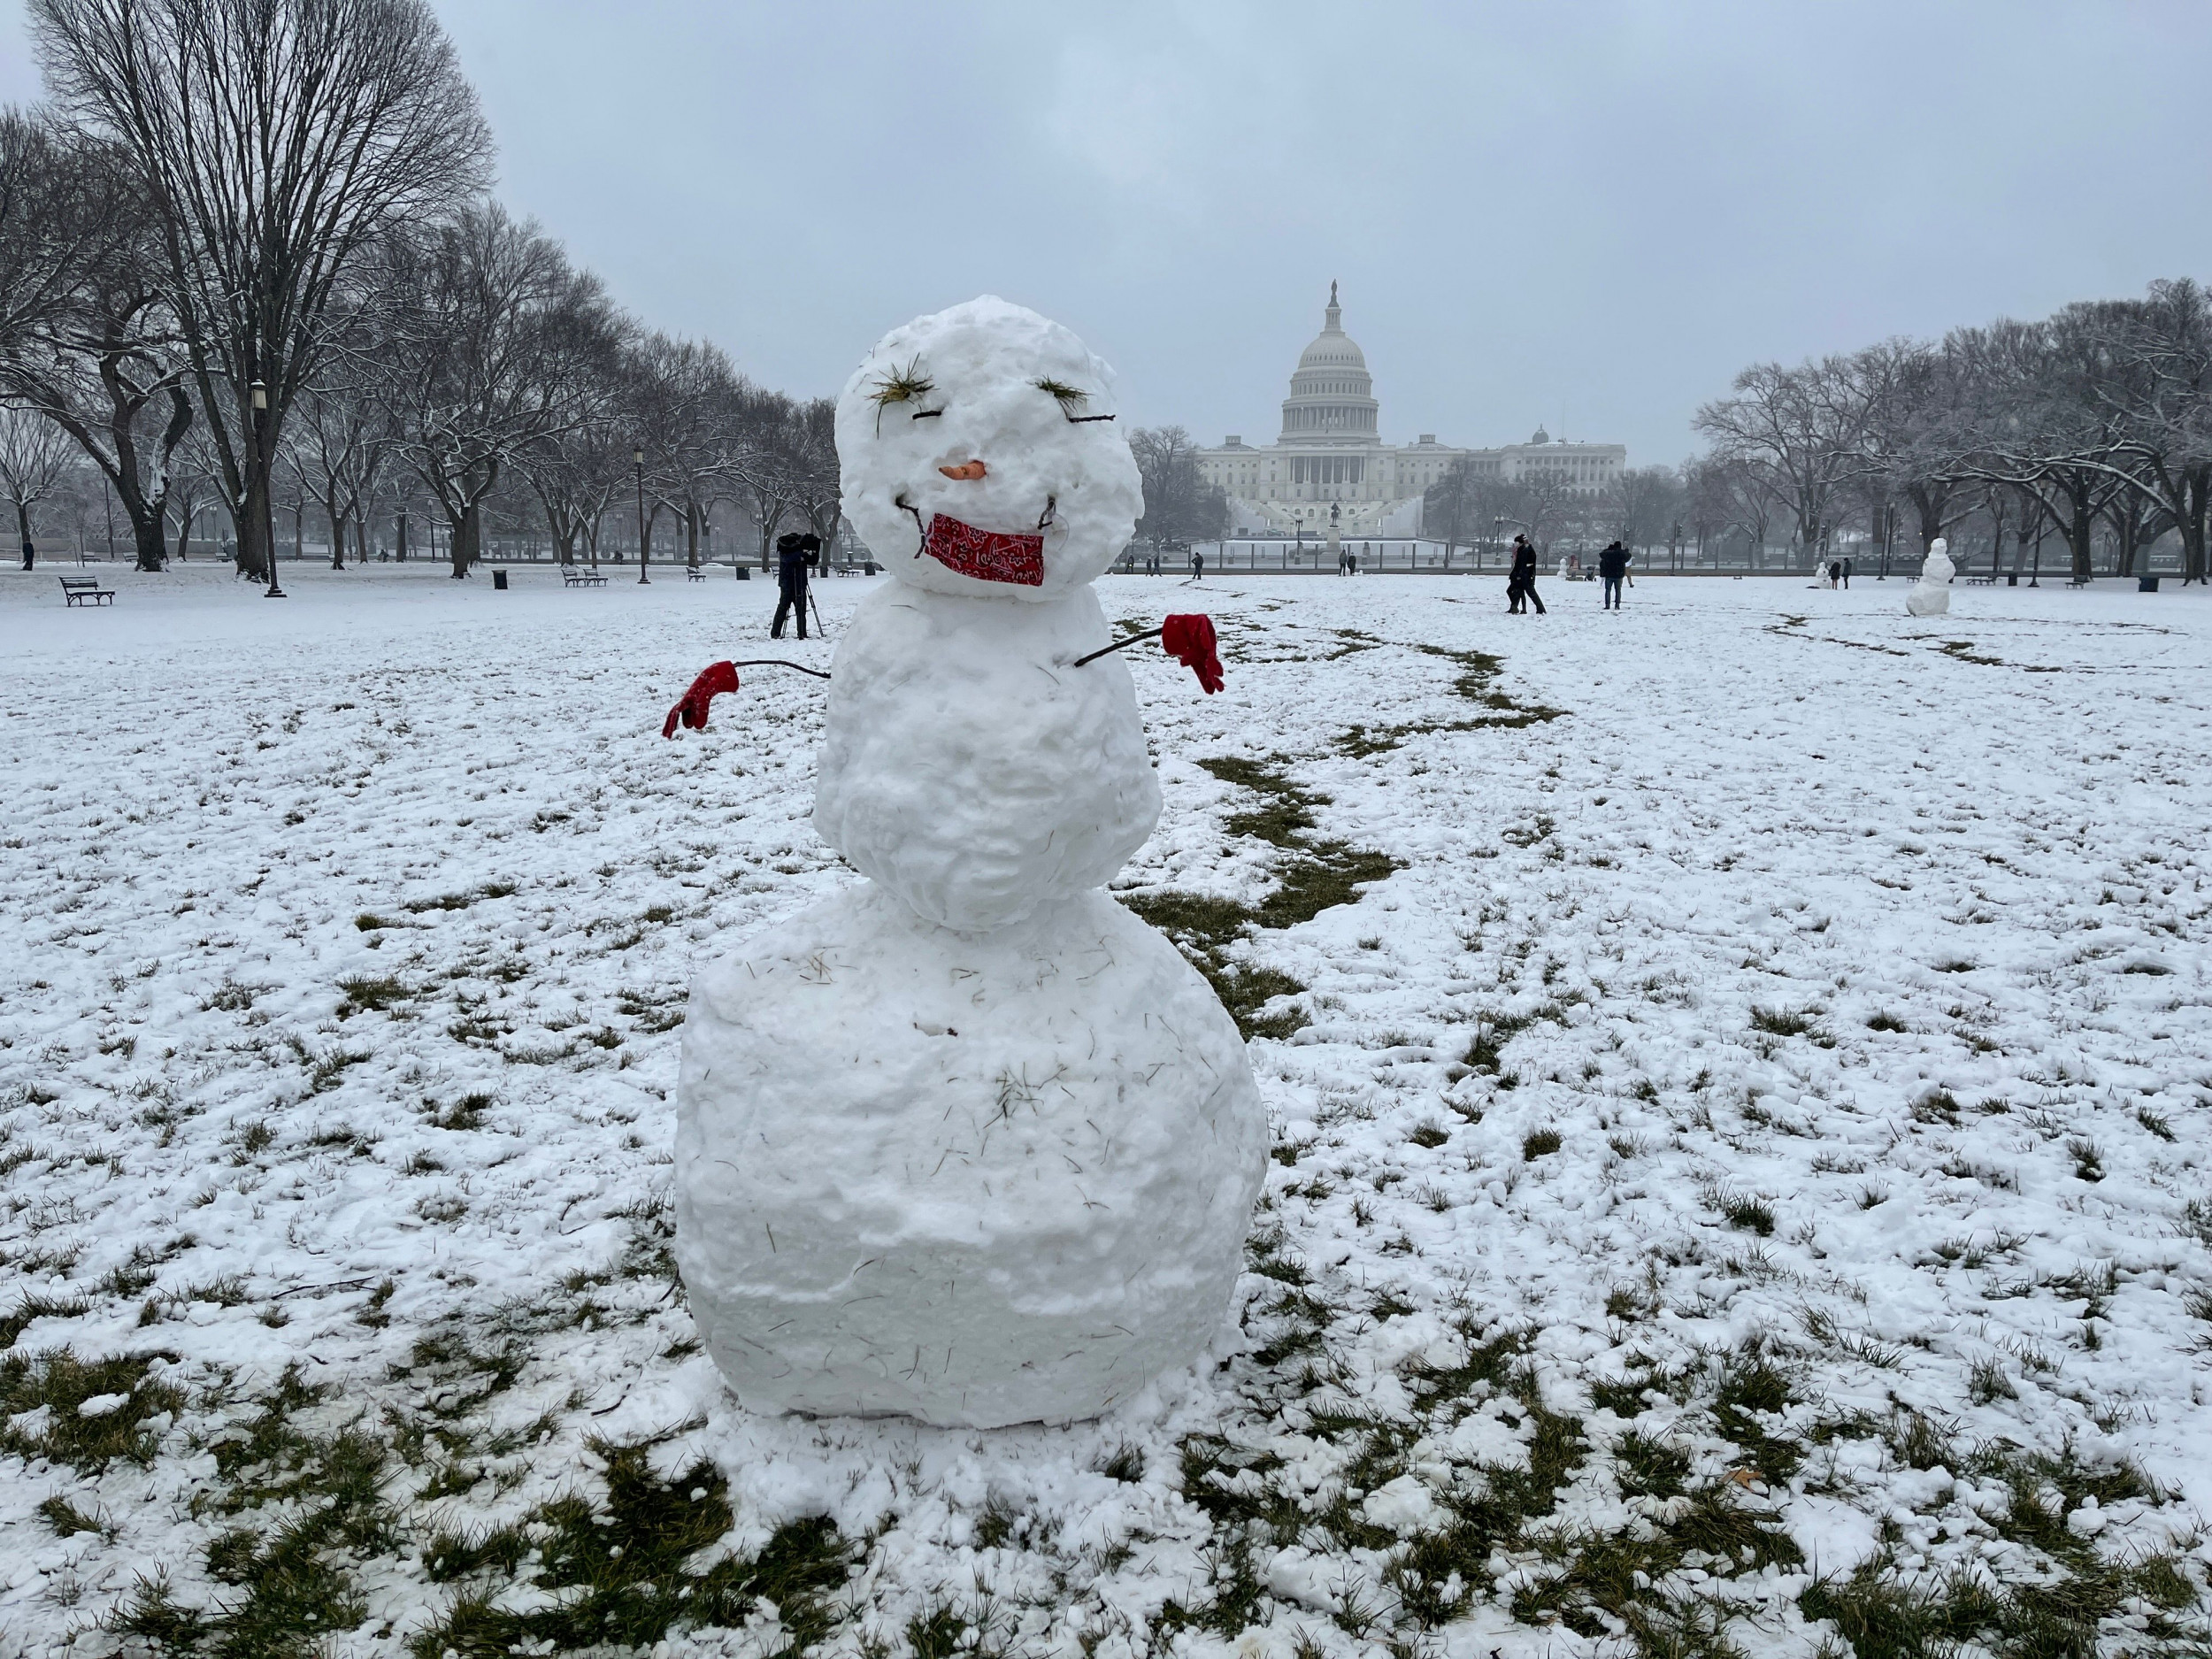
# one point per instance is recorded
(970, 1143)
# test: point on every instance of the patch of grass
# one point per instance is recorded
(461, 901)
(1752, 1388)
(1747, 1213)
(1492, 1032)
(620, 1569)
(464, 1113)
(1781, 1022)
(121, 1393)
(1962, 650)
(67, 1519)
(1530, 834)
(36, 1306)
(1648, 1467)
(653, 1015)
(1539, 1143)
(370, 994)
(233, 998)
(312, 1504)
(1479, 673)
(1319, 875)
(1938, 1106)
(326, 1067)
(1883, 1613)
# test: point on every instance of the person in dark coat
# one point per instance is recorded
(1520, 586)
(796, 554)
(1612, 566)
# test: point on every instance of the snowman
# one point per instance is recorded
(968, 1141)
(1931, 596)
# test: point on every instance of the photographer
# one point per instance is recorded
(797, 554)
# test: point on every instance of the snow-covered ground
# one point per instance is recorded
(1739, 1179)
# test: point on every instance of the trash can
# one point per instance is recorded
(2146, 584)
(499, 581)
(743, 574)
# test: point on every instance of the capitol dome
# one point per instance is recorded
(1331, 394)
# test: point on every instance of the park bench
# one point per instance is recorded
(869, 567)
(76, 591)
(1981, 581)
(577, 576)
(695, 572)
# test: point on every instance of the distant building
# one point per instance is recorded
(1331, 451)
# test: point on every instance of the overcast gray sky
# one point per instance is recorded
(1591, 213)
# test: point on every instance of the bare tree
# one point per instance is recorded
(575, 473)
(498, 344)
(2046, 421)
(276, 140)
(2159, 349)
(106, 363)
(1646, 504)
(689, 409)
(35, 459)
(1178, 504)
(342, 442)
(56, 222)
(1802, 430)
(817, 486)
(1453, 505)
(1922, 403)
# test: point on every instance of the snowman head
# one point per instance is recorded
(980, 454)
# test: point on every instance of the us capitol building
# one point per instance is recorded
(1330, 452)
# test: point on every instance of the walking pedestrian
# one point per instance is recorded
(1197, 565)
(796, 553)
(1847, 575)
(1612, 567)
(1521, 587)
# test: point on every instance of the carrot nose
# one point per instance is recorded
(969, 470)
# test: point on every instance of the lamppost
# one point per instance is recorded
(637, 459)
(265, 518)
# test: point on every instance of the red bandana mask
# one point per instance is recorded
(988, 556)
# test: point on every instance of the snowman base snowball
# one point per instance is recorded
(976, 1179)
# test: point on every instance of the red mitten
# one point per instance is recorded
(692, 711)
(1190, 641)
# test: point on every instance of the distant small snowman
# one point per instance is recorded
(968, 1141)
(1931, 596)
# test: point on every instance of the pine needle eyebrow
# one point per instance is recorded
(1070, 398)
(908, 385)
